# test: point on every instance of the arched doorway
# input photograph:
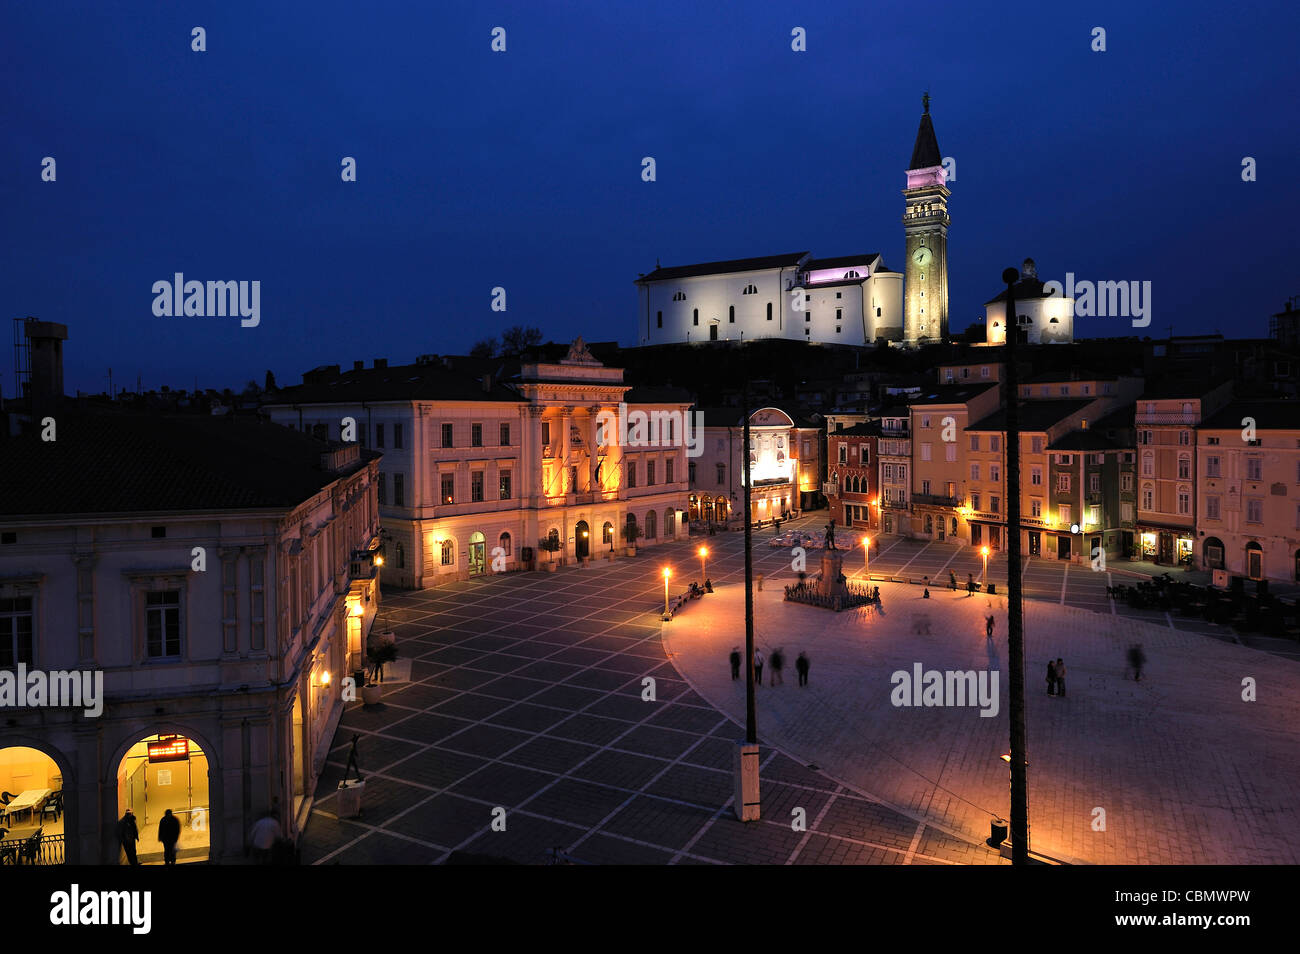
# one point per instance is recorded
(721, 508)
(607, 535)
(161, 772)
(693, 510)
(581, 540)
(670, 523)
(36, 814)
(477, 554)
(1254, 561)
(651, 525)
(706, 509)
(1212, 553)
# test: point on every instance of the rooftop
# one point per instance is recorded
(111, 462)
(788, 260)
(1034, 415)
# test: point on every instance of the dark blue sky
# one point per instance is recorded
(522, 169)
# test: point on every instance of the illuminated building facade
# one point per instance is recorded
(786, 465)
(220, 575)
(478, 472)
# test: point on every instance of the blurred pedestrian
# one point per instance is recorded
(1051, 678)
(735, 663)
(1135, 660)
(1060, 677)
(777, 662)
(127, 835)
(952, 581)
(262, 838)
(169, 832)
(801, 666)
(988, 626)
(970, 584)
(758, 666)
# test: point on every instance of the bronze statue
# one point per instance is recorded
(830, 535)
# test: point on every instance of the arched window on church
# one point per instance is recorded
(696, 316)
(731, 315)
(750, 290)
(851, 274)
(769, 311)
(679, 296)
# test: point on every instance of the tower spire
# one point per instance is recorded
(925, 100)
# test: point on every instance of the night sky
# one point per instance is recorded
(522, 169)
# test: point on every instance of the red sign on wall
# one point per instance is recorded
(175, 749)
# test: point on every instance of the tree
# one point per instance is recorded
(631, 532)
(484, 348)
(269, 387)
(250, 389)
(517, 340)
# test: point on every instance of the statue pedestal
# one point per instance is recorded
(832, 567)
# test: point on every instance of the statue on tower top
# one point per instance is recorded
(925, 100)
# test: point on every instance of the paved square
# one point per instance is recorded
(528, 697)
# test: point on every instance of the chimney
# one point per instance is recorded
(381, 362)
(487, 383)
(45, 347)
(358, 365)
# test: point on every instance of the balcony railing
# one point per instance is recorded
(1167, 417)
(35, 849)
(935, 500)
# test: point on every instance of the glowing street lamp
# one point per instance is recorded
(985, 572)
(667, 574)
(704, 563)
(866, 556)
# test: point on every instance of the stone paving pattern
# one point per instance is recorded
(527, 696)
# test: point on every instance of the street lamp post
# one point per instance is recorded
(704, 564)
(984, 574)
(866, 558)
(667, 574)
(1015, 606)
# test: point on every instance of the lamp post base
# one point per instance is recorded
(745, 762)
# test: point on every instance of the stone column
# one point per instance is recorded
(593, 449)
(566, 420)
(531, 469)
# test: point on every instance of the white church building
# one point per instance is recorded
(851, 299)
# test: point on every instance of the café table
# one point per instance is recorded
(28, 801)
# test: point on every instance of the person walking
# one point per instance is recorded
(265, 833)
(970, 584)
(127, 835)
(169, 832)
(1060, 677)
(758, 666)
(988, 626)
(735, 663)
(1135, 660)
(777, 663)
(801, 667)
(952, 581)
(1051, 678)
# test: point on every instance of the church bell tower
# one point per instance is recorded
(925, 223)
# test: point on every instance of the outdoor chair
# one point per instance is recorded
(53, 806)
(31, 848)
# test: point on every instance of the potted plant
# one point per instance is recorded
(552, 546)
(380, 652)
(631, 532)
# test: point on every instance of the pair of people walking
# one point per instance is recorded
(169, 833)
(1056, 677)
